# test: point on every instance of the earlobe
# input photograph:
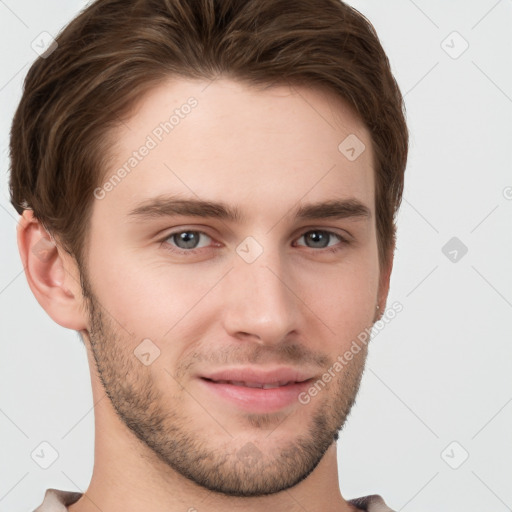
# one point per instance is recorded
(51, 274)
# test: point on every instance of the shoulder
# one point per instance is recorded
(56, 500)
(371, 503)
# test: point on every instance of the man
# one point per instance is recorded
(208, 191)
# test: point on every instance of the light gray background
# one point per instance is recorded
(440, 372)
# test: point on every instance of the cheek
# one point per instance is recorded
(345, 298)
(148, 296)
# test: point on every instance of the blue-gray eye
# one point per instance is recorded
(186, 239)
(319, 238)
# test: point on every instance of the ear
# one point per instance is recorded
(52, 274)
(384, 281)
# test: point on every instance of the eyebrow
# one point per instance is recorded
(169, 206)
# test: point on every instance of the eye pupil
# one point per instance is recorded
(188, 238)
(319, 236)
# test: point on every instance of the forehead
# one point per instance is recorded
(253, 146)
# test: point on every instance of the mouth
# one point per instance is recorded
(256, 397)
(260, 385)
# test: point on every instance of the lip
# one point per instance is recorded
(258, 400)
(270, 376)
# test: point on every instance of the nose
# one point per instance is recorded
(259, 301)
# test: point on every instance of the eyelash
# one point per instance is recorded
(176, 250)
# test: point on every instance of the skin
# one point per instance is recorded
(161, 439)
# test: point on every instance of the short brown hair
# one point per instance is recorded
(116, 50)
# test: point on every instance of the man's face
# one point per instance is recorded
(264, 291)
